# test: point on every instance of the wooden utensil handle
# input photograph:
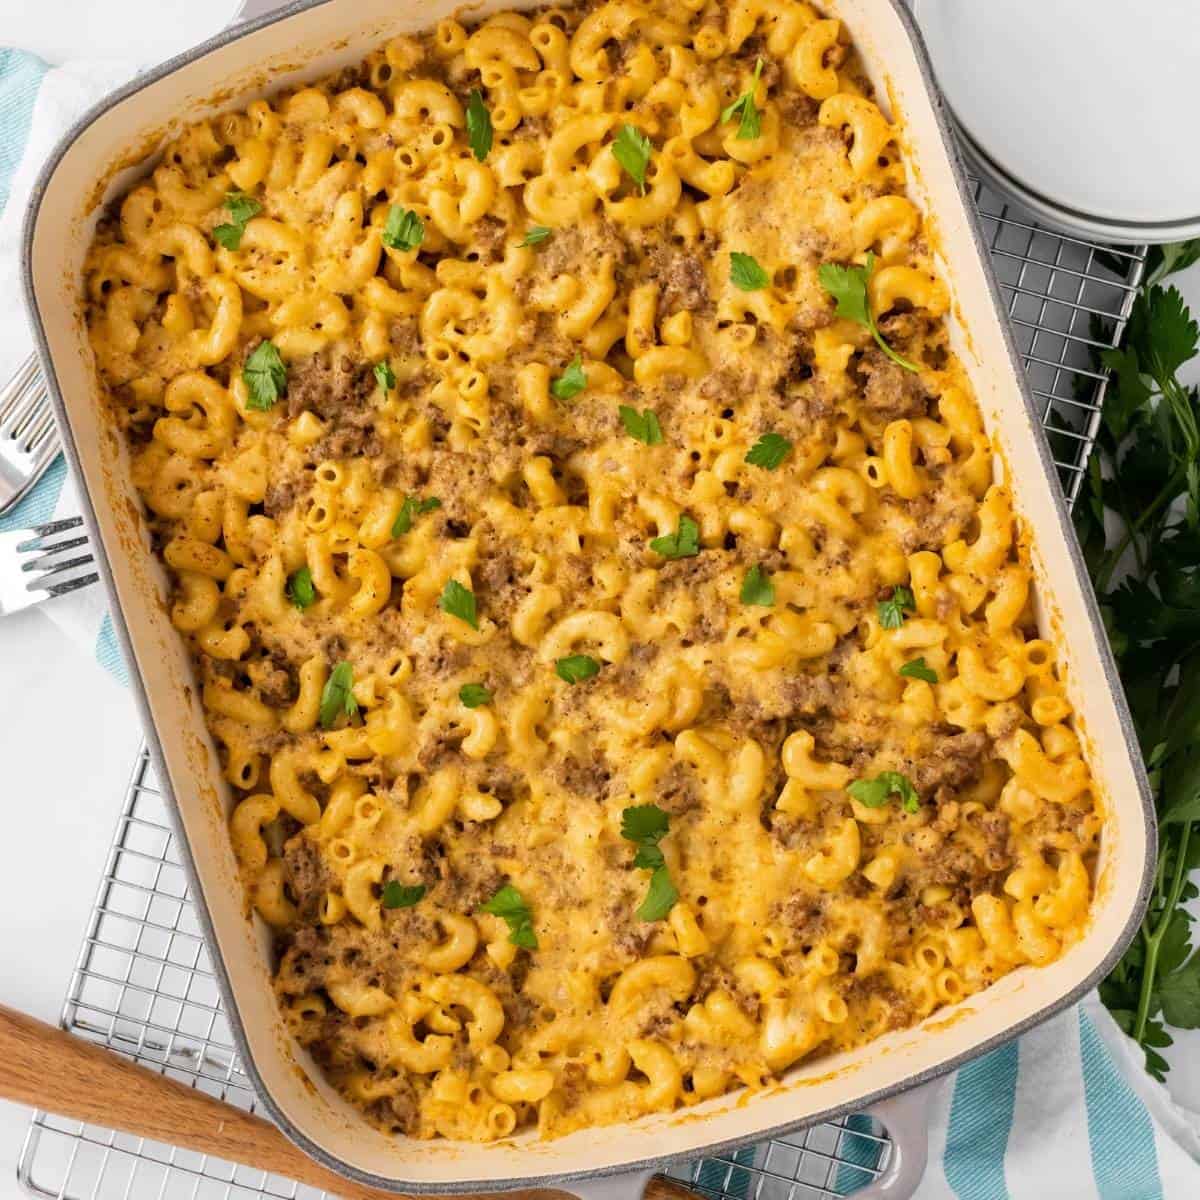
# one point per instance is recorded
(46, 1068)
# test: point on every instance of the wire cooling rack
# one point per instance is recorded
(144, 985)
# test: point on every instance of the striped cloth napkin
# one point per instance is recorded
(1066, 1112)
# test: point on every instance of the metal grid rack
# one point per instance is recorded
(144, 986)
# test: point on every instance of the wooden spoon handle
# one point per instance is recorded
(43, 1067)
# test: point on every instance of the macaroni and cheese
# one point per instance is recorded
(611, 620)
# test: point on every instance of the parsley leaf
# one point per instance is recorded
(404, 230)
(757, 588)
(300, 590)
(646, 825)
(848, 286)
(385, 376)
(683, 543)
(474, 694)
(661, 897)
(535, 235)
(745, 273)
(750, 125)
(891, 612)
(265, 377)
(631, 148)
(479, 125)
(875, 793)
(769, 451)
(240, 208)
(917, 668)
(410, 510)
(337, 696)
(643, 426)
(459, 602)
(401, 895)
(510, 906)
(575, 668)
(571, 382)
(1179, 992)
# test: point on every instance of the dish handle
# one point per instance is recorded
(905, 1117)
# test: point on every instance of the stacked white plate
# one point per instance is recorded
(1086, 112)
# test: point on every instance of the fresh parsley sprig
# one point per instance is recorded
(848, 286)
(411, 508)
(404, 230)
(891, 611)
(401, 895)
(643, 425)
(744, 108)
(337, 696)
(1138, 518)
(875, 793)
(240, 208)
(646, 825)
(458, 601)
(514, 910)
(265, 377)
(632, 149)
(683, 543)
(479, 125)
(571, 382)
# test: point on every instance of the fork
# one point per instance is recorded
(28, 439)
(31, 569)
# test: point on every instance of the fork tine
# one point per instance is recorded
(83, 560)
(30, 416)
(48, 529)
(72, 585)
(36, 430)
(48, 552)
(14, 392)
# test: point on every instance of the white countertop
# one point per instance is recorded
(68, 732)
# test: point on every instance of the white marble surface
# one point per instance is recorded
(68, 733)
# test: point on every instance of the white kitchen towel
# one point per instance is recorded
(1065, 1113)
(37, 105)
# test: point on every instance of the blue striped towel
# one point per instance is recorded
(1065, 1112)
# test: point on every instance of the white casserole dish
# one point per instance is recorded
(313, 38)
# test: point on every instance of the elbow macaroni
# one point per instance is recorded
(806, 920)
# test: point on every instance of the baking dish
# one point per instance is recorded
(315, 38)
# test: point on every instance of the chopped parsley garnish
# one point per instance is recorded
(510, 906)
(769, 451)
(750, 123)
(848, 286)
(300, 590)
(412, 508)
(891, 611)
(575, 668)
(643, 426)
(385, 376)
(646, 825)
(683, 543)
(337, 697)
(240, 208)
(631, 148)
(404, 229)
(265, 377)
(474, 694)
(917, 668)
(459, 602)
(875, 793)
(479, 125)
(571, 382)
(757, 588)
(535, 235)
(401, 895)
(745, 273)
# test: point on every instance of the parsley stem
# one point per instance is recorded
(896, 358)
(1113, 557)
(1154, 941)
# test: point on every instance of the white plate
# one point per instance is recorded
(1081, 110)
